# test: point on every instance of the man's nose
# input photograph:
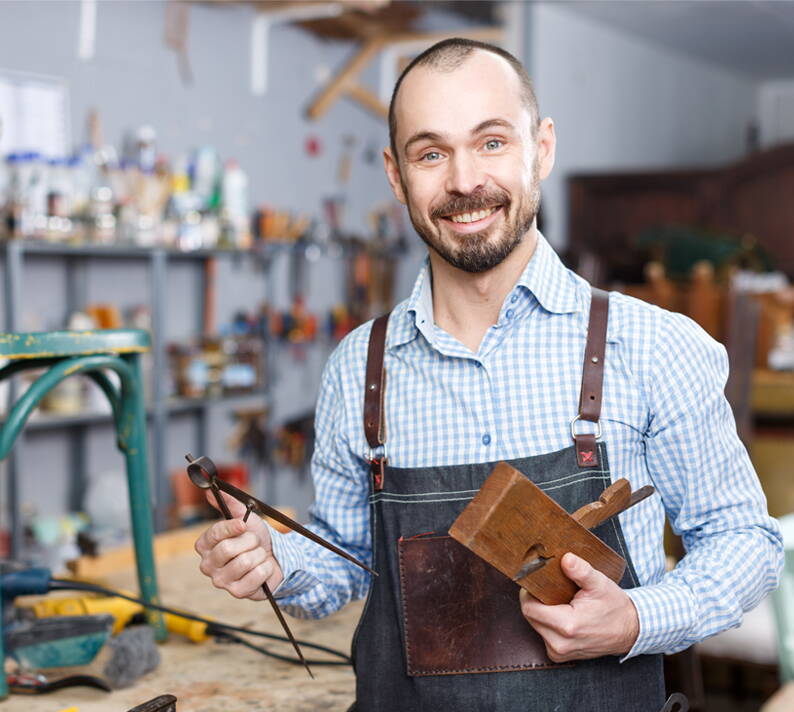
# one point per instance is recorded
(465, 175)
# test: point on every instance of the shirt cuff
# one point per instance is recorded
(667, 614)
(293, 565)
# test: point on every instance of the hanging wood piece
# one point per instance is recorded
(345, 82)
(340, 84)
(177, 15)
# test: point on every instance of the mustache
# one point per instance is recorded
(472, 203)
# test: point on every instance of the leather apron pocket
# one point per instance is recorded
(460, 614)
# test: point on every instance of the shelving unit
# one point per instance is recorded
(161, 407)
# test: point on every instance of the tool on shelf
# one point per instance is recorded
(203, 473)
(521, 531)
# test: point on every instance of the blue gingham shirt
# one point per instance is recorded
(665, 422)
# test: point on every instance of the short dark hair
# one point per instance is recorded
(447, 56)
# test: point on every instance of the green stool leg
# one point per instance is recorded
(132, 441)
(130, 416)
(3, 683)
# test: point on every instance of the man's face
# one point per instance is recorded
(469, 171)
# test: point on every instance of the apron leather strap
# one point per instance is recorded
(374, 388)
(589, 399)
(593, 377)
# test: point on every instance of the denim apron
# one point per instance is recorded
(442, 631)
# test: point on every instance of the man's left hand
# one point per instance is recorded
(600, 619)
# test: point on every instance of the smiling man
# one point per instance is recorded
(502, 354)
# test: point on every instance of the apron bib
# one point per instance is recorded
(442, 630)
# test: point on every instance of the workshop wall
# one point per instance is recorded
(619, 102)
(134, 80)
(645, 106)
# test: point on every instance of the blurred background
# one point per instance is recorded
(211, 171)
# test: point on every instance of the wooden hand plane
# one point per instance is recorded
(521, 531)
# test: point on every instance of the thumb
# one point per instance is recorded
(581, 572)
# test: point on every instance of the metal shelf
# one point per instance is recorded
(264, 251)
(161, 408)
(39, 247)
(48, 421)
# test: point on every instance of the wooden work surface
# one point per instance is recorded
(214, 677)
(773, 393)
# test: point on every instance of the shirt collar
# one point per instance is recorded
(549, 281)
(545, 277)
(415, 314)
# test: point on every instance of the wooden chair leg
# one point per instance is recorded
(684, 674)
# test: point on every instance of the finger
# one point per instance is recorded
(558, 646)
(228, 549)
(581, 572)
(250, 585)
(524, 595)
(236, 507)
(219, 532)
(237, 568)
(556, 618)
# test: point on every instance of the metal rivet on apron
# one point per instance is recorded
(594, 359)
(373, 386)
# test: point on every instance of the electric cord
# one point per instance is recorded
(216, 628)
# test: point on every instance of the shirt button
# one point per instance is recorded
(509, 313)
(486, 439)
(514, 299)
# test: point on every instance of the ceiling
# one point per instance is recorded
(750, 37)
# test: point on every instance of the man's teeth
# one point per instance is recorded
(472, 217)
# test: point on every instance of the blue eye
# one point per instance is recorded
(431, 156)
(493, 144)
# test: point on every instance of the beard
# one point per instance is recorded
(479, 251)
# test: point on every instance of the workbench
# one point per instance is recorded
(221, 677)
(772, 393)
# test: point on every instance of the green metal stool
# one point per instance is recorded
(66, 353)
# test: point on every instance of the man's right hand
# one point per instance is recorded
(238, 556)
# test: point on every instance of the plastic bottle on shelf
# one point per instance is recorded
(203, 173)
(24, 181)
(38, 185)
(59, 200)
(183, 210)
(100, 211)
(14, 200)
(151, 197)
(123, 182)
(146, 148)
(4, 182)
(83, 171)
(234, 196)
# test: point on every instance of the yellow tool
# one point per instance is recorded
(121, 610)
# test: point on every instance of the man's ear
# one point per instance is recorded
(393, 174)
(546, 146)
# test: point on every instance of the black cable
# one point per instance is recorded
(213, 627)
(223, 635)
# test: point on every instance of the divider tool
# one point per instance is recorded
(203, 473)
